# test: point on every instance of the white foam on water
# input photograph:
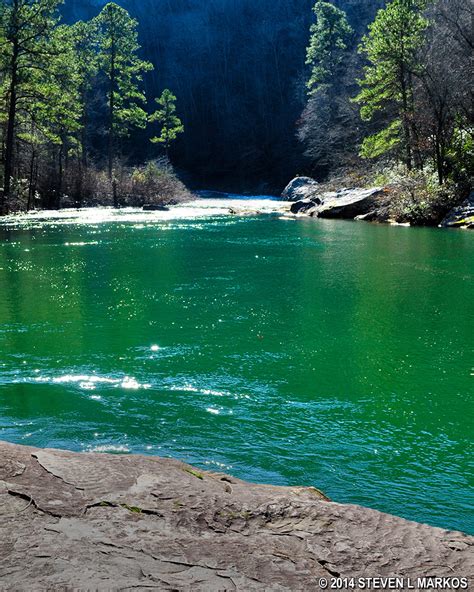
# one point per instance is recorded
(199, 208)
(110, 448)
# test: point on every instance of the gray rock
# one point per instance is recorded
(305, 205)
(313, 212)
(462, 216)
(73, 521)
(300, 188)
(381, 214)
(351, 203)
(155, 208)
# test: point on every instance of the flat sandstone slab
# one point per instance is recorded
(101, 522)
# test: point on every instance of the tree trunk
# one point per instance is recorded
(60, 179)
(111, 137)
(10, 140)
(440, 143)
(404, 115)
(111, 110)
(82, 161)
(30, 184)
(35, 177)
(84, 134)
(440, 155)
(414, 134)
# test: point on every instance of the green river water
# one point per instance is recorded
(326, 353)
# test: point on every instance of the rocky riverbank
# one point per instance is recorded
(374, 204)
(102, 522)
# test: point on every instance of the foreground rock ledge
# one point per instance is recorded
(100, 522)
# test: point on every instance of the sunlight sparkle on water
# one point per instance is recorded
(341, 358)
(132, 384)
(91, 382)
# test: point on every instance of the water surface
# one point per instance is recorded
(326, 353)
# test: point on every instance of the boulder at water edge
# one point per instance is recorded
(345, 203)
(300, 188)
(349, 203)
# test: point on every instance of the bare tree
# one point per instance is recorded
(444, 93)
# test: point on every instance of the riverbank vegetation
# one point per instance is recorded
(395, 104)
(71, 102)
(385, 97)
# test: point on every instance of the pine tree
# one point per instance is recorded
(85, 43)
(51, 107)
(329, 40)
(325, 115)
(392, 49)
(171, 125)
(26, 27)
(123, 69)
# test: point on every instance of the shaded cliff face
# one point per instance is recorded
(237, 68)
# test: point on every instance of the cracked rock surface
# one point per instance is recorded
(102, 522)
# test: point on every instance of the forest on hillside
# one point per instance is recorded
(238, 70)
(97, 100)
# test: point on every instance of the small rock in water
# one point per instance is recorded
(155, 208)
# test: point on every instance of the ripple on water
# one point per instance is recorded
(293, 386)
(89, 382)
(208, 392)
(82, 244)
